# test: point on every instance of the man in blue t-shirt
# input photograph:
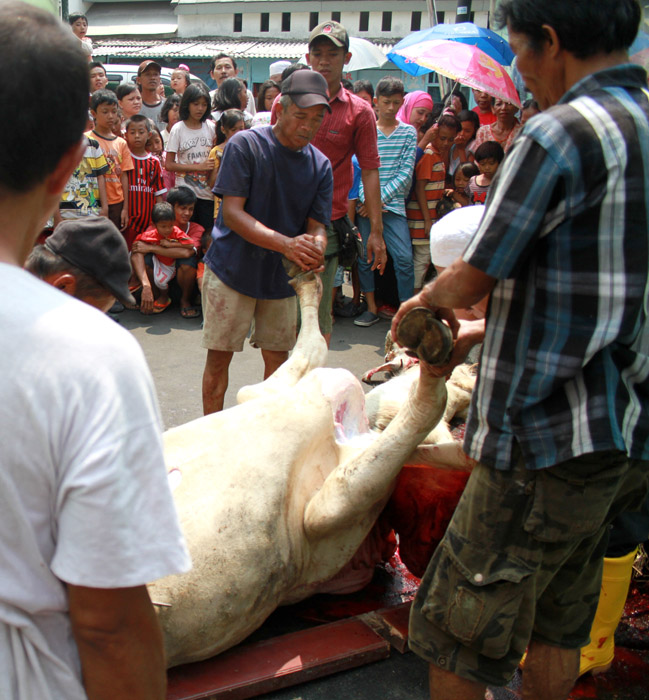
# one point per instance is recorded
(277, 191)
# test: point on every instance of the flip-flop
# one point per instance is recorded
(159, 307)
(189, 312)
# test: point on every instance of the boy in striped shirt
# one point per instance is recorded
(145, 184)
(430, 182)
(397, 143)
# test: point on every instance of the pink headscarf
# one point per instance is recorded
(418, 98)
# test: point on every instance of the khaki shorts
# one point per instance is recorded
(229, 317)
(521, 559)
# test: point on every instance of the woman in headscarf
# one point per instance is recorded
(415, 110)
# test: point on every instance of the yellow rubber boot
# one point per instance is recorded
(598, 655)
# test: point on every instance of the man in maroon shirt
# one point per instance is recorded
(349, 129)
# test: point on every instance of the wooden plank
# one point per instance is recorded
(391, 624)
(252, 669)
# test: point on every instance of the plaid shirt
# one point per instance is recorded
(565, 361)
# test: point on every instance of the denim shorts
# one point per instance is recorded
(521, 560)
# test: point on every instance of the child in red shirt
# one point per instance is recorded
(153, 257)
(145, 185)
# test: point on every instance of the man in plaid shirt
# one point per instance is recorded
(559, 423)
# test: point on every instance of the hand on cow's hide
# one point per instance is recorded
(306, 251)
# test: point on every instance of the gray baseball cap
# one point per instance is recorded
(95, 246)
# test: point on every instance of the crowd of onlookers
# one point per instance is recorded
(145, 149)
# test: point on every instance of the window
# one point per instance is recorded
(314, 20)
(335, 16)
(286, 21)
(264, 23)
(415, 21)
(238, 22)
(364, 22)
(386, 22)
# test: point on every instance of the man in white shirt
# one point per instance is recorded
(86, 516)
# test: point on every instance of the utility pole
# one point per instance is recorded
(463, 12)
(432, 12)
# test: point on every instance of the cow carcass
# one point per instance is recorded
(276, 494)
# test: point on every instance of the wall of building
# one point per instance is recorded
(218, 20)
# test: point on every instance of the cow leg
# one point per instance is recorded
(358, 488)
(445, 455)
(310, 350)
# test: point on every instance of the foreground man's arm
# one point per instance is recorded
(119, 641)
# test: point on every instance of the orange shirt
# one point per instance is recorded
(430, 168)
(119, 159)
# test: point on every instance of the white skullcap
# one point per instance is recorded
(278, 67)
(452, 233)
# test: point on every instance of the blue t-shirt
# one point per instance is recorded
(282, 189)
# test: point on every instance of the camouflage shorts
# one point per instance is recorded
(521, 559)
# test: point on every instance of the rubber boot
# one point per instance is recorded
(598, 655)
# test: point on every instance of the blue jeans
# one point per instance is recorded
(397, 241)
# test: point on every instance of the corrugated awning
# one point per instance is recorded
(206, 48)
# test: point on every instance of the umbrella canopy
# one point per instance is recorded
(461, 62)
(364, 55)
(464, 33)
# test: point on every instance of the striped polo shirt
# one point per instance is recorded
(397, 154)
(565, 361)
(430, 168)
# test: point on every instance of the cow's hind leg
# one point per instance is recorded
(310, 350)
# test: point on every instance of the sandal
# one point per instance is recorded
(189, 312)
(160, 306)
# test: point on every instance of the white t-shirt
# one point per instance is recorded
(84, 497)
(193, 146)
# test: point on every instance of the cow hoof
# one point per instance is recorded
(422, 333)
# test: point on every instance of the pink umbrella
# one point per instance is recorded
(463, 63)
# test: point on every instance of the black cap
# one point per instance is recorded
(306, 88)
(334, 31)
(146, 64)
(95, 246)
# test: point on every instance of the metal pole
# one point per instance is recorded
(463, 12)
(432, 12)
